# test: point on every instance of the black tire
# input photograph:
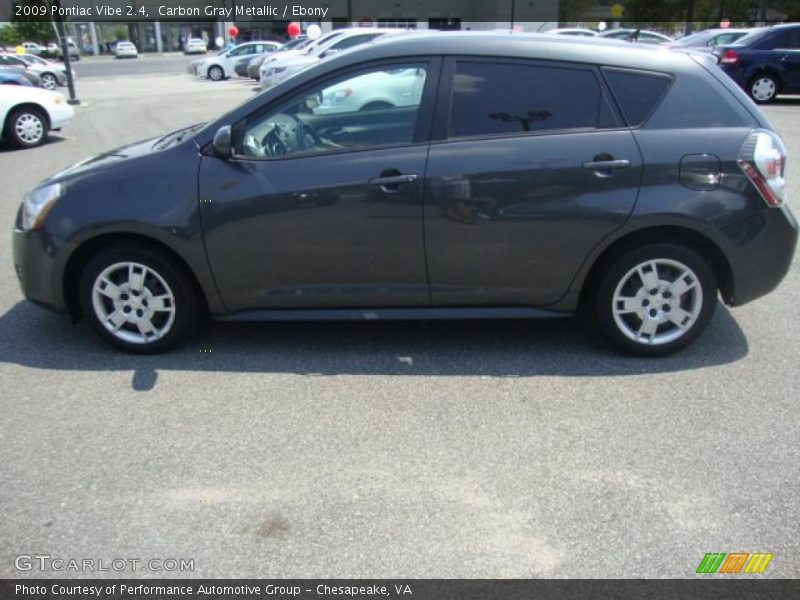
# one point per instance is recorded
(215, 73)
(36, 117)
(49, 81)
(628, 331)
(763, 88)
(185, 303)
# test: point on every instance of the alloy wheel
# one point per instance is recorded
(133, 303)
(49, 81)
(657, 302)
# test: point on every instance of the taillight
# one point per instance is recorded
(729, 57)
(763, 161)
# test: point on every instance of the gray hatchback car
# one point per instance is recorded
(450, 175)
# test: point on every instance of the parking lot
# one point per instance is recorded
(452, 449)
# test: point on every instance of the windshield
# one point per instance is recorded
(695, 38)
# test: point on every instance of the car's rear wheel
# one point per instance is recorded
(138, 299)
(26, 127)
(656, 299)
(763, 88)
(216, 73)
(49, 81)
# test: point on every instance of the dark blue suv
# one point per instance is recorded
(764, 63)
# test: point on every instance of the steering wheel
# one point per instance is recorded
(289, 135)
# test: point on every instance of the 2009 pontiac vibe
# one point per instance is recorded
(433, 176)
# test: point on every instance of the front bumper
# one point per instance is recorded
(39, 261)
(61, 115)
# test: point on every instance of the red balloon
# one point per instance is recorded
(293, 29)
(233, 31)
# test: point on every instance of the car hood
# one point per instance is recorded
(108, 159)
(125, 153)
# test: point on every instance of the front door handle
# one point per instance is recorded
(606, 165)
(392, 182)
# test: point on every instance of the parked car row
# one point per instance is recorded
(48, 74)
(52, 50)
(764, 63)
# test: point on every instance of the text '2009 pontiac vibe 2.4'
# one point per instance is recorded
(440, 175)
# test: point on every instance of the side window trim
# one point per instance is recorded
(422, 130)
(441, 127)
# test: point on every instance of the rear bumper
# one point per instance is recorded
(760, 249)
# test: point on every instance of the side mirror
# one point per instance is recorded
(223, 144)
(330, 52)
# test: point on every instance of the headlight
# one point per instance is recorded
(37, 204)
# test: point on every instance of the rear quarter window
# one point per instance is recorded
(691, 99)
(637, 93)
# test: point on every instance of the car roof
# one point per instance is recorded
(592, 50)
(587, 50)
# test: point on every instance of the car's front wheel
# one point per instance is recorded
(26, 127)
(656, 299)
(216, 73)
(49, 81)
(138, 299)
(763, 88)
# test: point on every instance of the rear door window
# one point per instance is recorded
(505, 98)
(789, 40)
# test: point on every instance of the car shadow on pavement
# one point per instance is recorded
(51, 139)
(32, 337)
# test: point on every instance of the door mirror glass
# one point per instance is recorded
(223, 143)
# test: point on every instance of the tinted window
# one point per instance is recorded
(508, 98)
(637, 93)
(377, 107)
(789, 39)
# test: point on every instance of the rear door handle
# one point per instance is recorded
(392, 182)
(606, 165)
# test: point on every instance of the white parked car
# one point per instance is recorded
(33, 48)
(221, 66)
(126, 50)
(578, 31)
(28, 114)
(379, 90)
(195, 46)
(273, 72)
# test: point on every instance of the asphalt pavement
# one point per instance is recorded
(455, 449)
(145, 64)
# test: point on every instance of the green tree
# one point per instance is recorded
(647, 11)
(33, 29)
(9, 36)
(574, 10)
